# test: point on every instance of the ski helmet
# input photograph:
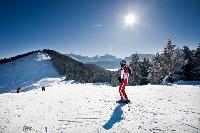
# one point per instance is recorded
(123, 63)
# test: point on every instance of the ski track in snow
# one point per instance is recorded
(88, 108)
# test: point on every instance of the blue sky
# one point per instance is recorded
(91, 27)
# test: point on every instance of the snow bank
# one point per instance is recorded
(87, 108)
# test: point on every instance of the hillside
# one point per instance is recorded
(66, 107)
(75, 70)
(25, 71)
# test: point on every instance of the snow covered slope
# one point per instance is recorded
(86, 108)
(25, 71)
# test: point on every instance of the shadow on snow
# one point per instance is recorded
(115, 117)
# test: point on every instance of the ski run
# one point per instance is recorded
(70, 107)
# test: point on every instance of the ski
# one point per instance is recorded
(122, 101)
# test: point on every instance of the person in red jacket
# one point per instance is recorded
(123, 79)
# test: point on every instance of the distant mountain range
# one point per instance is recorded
(106, 61)
(96, 58)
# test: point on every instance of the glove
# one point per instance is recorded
(120, 80)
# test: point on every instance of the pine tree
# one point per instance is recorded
(186, 70)
(172, 61)
(135, 67)
(178, 61)
(167, 62)
(196, 69)
(154, 75)
(144, 68)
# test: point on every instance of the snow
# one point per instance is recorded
(42, 56)
(113, 70)
(25, 71)
(67, 107)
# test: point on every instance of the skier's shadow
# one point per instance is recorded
(115, 117)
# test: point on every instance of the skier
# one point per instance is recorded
(43, 88)
(123, 79)
(18, 89)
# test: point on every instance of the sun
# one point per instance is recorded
(130, 19)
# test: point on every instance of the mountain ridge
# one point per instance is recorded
(106, 61)
(23, 72)
(26, 69)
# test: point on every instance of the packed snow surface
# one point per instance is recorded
(113, 70)
(69, 107)
(25, 71)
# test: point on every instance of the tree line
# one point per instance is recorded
(6, 60)
(181, 64)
